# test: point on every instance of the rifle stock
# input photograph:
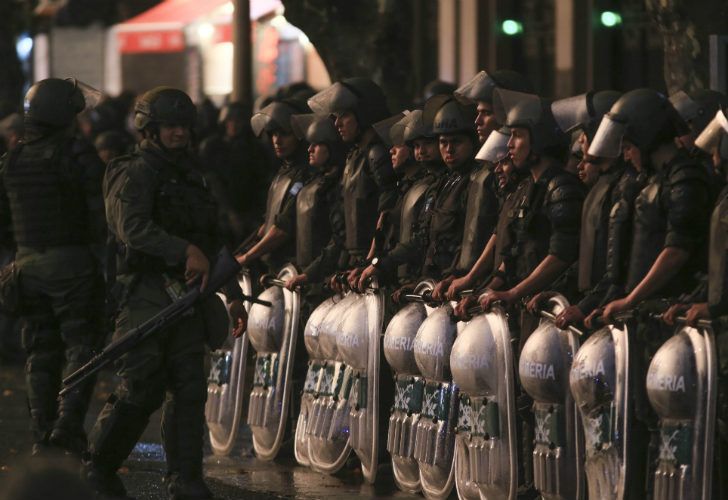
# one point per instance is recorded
(225, 268)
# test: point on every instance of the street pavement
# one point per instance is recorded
(238, 476)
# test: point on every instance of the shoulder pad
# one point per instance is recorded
(688, 170)
(565, 186)
(377, 153)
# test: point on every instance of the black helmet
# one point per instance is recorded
(314, 129)
(54, 102)
(361, 96)
(446, 115)
(643, 116)
(388, 133)
(517, 109)
(480, 87)
(232, 111)
(277, 116)
(164, 105)
(583, 111)
(698, 108)
(437, 87)
(413, 127)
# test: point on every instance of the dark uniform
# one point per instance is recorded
(671, 210)
(157, 205)
(51, 206)
(606, 234)
(368, 183)
(293, 173)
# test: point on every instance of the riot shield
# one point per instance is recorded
(435, 433)
(486, 447)
(272, 332)
(327, 429)
(224, 406)
(543, 368)
(314, 373)
(600, 381)
(682, 388)
(358, 345)
(399, 339)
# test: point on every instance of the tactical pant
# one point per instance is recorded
(169, 364)
(525, 423)
(61, 305)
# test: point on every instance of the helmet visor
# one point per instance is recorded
(91, 96)
(479, 88)
(607, 142)
(333, 100)
(301, 123)
(495, 147)
(516, 109)
(275, 116)
(714, 134)
(384, 129)
(571, 113)
(687, 108)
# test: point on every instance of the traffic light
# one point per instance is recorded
(511, 27)
(610, 19)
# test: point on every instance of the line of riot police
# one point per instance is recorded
(499, 295)
(532, 271)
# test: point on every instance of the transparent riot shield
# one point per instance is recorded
(600, 381)
(225, 389)
(358, 345)
(272, 332)
(543, 367)
(682, 388)
(327, 429)
(314, 373)
(482, 367)
(435, 431)
(399, 339)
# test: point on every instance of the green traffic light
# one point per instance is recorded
(610, 19)
(511, 27)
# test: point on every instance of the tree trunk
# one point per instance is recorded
(685, 26)
(362, 38)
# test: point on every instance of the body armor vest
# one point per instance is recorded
(313, 229)
(649, 231)
(504, 219)
(718, 250)
(276, 194)
(45, 189)
(411, 207)
(360, 202)
(594, 230)
(446, 224)
(480, 217)
(183, 207)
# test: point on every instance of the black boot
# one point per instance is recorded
(180, 488)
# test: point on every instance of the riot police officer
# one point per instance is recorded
(369, 182)
(51, 207)
(668, 227)
(712, 303)
(319, 221)
(164, 220)
(482, 196)
(540, 237)
(400, 262)
(270, 241)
